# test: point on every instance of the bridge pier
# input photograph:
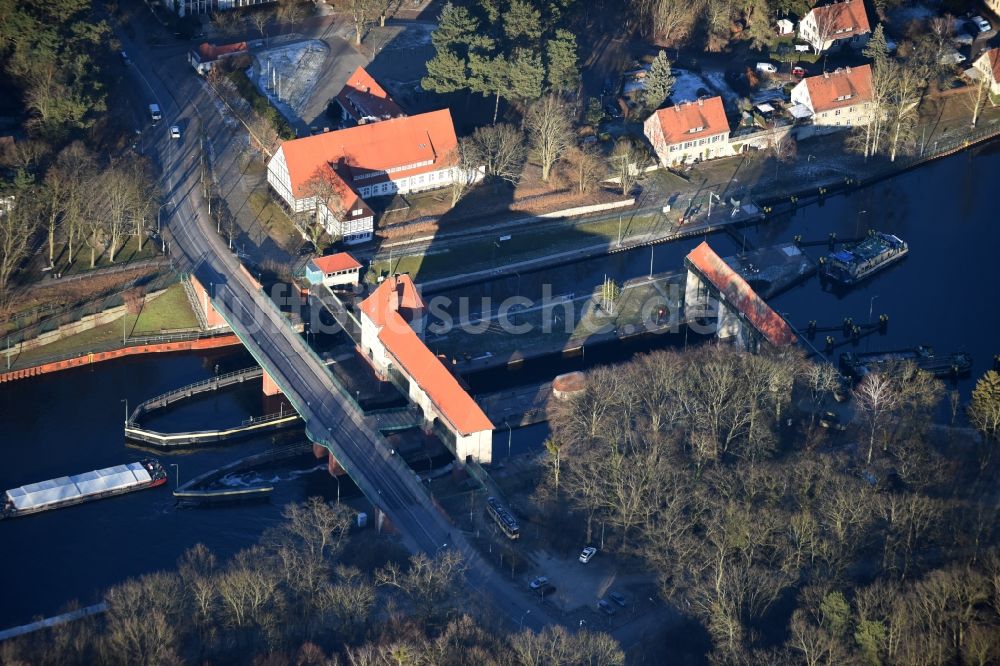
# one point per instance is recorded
(319, 451)
(269, 387)
(333, 467)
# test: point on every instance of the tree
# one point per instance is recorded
(363, 13)
(665, 20)
(385, 9)
(143, 619)
(563, 74)
(554, 448)
(628, 161)
(903, 109)
(260, 20)
(464, 169)
(334, 200)
(586, 164)
(979, 93)
(500, 150)
(876, 397)
(522, 23)
(525, 75)
(556, 645)
(18, 223)
(659, 82)
(550, 131)
(430, 584)
(289, 11)
(984, 411)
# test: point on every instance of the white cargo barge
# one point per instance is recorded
(69, 490)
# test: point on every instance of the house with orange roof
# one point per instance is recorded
(988, 65)
(333, 270)
(840, 23)
(204, 57)
(714, 290)
(836, 100)
(392, 321)
(335, 172)
(688, 131)
(363, 100)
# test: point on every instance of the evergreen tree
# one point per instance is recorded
(526, 75)
(877, 47)
(560, 51)
(659, 82)
(522, 23)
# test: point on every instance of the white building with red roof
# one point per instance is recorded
(333, 270)
(714, 290)
(392, 321)
(988, 65)
(836, 24)
(363, 100)
(837, 100)
(689, 131)
(333, 173)
(204, 57)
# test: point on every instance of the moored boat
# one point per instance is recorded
(852, 265)
(79, 488)
(857, 365)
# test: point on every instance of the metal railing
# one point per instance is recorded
(212, 383)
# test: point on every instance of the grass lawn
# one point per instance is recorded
(273, 218)
(167, 312)
(483, 253)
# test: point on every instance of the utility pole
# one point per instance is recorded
(651, 260)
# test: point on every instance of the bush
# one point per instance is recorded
(260, 104)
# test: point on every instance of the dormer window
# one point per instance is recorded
(693, 130)
(356, 212)
(844, 97)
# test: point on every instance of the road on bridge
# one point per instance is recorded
(163, 76)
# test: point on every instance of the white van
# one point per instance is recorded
(154, 112)
(766, 68)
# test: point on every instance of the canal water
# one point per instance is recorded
(71, 422)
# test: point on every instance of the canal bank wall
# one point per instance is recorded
(154, 345)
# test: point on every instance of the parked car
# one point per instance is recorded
(175, 132)
(538, 582)
(618, 598)
(766, 68)
(982, 25)
(588, 554)
(798, 71)
(605, 607)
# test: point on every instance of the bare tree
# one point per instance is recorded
(363, 13)
(550, 131)
(428, 583)
(629, 161)
(142, 620)
(903, 109)
(979, 93)
(18, 223)
(386, 8)
(876, 397)
(464, 169)
(556, 645)
(260, 20)
(587, 166)
(334, 201)
(665, 20)
(500, 150)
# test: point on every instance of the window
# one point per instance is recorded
(356, 212)
(837, 112)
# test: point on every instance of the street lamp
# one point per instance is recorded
(510, 436)
(520, 621)
(871, 303)
(177, 474)
(125, 400)
(160, 210)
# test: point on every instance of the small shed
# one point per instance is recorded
(334, 270)
(785, 27)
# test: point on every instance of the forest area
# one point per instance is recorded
(61, 190)
(787, 542)
(295, 598)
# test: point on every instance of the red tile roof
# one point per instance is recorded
(335, 262)
(840, 88)
(679, 120)
(209, 52)
(738, 294)
(382, 307)
(840, 16)
(426, 369)
(375, 147)
(395, 293)
(362, 96)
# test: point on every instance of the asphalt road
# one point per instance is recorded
(331, 419)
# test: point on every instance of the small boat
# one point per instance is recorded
(857, 365)
(852, 265)
(79, 488)
(216, 495)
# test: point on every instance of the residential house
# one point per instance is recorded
(836, 24)
(689, 131)
(363, 100)
(333, 270)
(392, 320)
(988, 65)
(785, 27)
(333, 173)
(205, 56)
(836, 100)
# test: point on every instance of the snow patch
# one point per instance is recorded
(288, 74)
